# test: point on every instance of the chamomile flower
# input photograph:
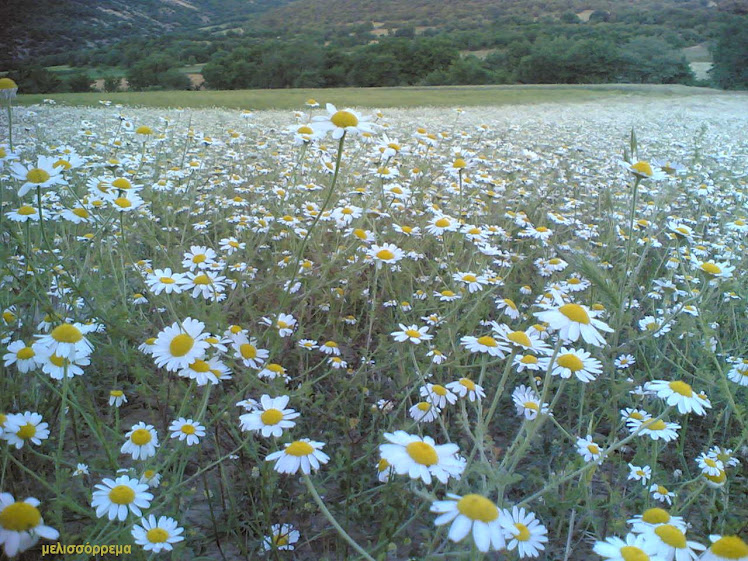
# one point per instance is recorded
(284, 323)
(624, 361)
(116, 498)
(198, 257)
(640, 473)
(387, 254)
(141, 442)
(633, 548)
(23, 356)
(523, 532)
(117, 398)
(670, 543)
(412, 333)
(421, 458)
(345, 121)
(575, 320)
(22, 428)
(246, 350)
(528, 404)
(653, 517)
(424, 412)
(485, 344)
(178, 345)
(204, 371)
(590, 451)
(471, 514)
(661, 493)
(270, 418)
(526, 341)
(655, 429)
(42, 175)
(21, 524)
(163, 280)
(465, 387)
(725, 548)
(157, 535)
(578, 362)
(187, 429)
(305, 455)
(437, 394)
(67, 340)
(282, 538)
(679, 394)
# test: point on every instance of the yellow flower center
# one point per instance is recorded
(344, 119)
(277, 368)
(37, 176)
(711, 268)
(524, 533)
(7, 84)
(123, 202)
(202, 279)
(66, 333)
(25, 353)
(413, 333)
(271, 417)
(439, 390)
(469, 278)
(510, 303)
(570, 361)
(116, 393)
(656, 425)
(681, 388)
(442, 223)
(541, 229)
(167, 280)
(671, 535)
(157, 535)
(594, 449)
(299, 448)
(385, 255)
(487, 341)
(575, 313)
(188, 429)
(531, 405)
(718, 479)
(729, 547)
(631, 553)
(655, 516)
(643, 168)
(476, 507)
(122, 495)
(447, 293)
(529, 359)
(382, 465)
(122, 183)
(144, 129)
(520, 338)
(200, 366)
(468, 383)
(20, 517)
(423, 406)
(422, 453)
(141, 437)
(58, 361)
(64, 164)
(459, 163)
(26, 210)
(181, 345)
(26, 432)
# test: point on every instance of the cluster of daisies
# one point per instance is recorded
(447, 253)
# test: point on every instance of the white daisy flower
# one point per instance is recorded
(635, 547)
(725, 548)
(471, 514)
(20, 428)
(116, 498)
(412, 333)
(157, 535)
(282, 538)
(573, 321)
(43, 175)
(270, 418)
(438, 395)
(669, 542)
(523, 532)
(23, 356)
(653, 517)
(187, 429)
(421, 458)
(424, 412)
(679, 394)
(578, 362)
(466, 387)
(346, 121)
(485, 344)
(21, 525)
(246, 351)
(177, 346)
(141, 442)
(305, 455)
(590, 451)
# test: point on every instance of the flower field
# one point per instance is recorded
(500, 333)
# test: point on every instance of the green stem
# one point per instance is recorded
(331, 519)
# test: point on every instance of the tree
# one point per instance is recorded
(35, 79)
(156, 71)
(650, 60)
(730, 56)
(79, 82)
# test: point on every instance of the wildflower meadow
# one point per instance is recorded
(335, 333)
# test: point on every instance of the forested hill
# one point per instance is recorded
(32, 28)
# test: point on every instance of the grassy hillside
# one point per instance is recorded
(444, 96)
